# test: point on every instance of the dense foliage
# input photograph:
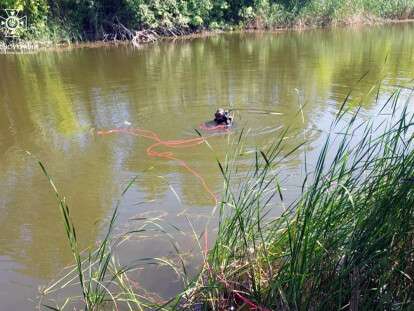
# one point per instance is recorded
(345, 244)
(99, 19)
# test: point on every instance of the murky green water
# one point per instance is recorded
(52, 103)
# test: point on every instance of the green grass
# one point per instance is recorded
(346, 243)
(99, 276)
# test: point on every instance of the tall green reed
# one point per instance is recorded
(104, 283)
(347, 242)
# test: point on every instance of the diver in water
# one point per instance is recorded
(223, 117)
(223, 120)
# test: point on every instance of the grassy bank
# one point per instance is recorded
(345, 244)
(51, 22)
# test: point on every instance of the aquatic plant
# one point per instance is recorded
(347, 242)
(99, 276)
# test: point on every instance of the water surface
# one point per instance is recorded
(53, 102)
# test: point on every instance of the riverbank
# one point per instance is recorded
(51, 24)
(34, 46)
(346, 244)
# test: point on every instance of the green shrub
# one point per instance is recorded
(99, 19)
(36, 12)
(389, 9)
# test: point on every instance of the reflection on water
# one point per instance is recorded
(52, 102)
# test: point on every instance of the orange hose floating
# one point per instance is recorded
(180, 143)
(223, 127)
(184, 143)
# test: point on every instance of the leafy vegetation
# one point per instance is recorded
(99, 20)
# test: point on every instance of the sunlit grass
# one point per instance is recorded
(99, 276)
(346, 242)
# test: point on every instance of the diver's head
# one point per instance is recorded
(223, 117)
(220, 116)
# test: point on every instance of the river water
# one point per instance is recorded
(53, 103)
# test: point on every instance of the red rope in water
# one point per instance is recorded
(204, 127)
(180, 143)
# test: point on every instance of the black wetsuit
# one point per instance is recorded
(226, 119)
